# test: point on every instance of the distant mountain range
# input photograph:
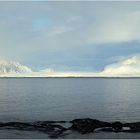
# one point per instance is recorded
(129, 67)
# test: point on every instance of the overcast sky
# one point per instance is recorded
(69, 36)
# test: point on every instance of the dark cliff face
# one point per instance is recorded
(56, 129)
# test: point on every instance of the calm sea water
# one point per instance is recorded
(31, 99)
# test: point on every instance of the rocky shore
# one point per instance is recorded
(56, 129)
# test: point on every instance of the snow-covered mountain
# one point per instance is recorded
(129, 67)
(11, 67)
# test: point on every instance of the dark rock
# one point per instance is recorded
(50, 122)
(117, 126)
(87, 125)
(55, 129)
(134, 127)
(17, 125)
(52, 129)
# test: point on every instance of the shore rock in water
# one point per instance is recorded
(134, 127)
(16, 125)
(117, 126)
(52, 128)
(56, 129)
(87, 125)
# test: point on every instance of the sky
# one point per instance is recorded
(82, 36)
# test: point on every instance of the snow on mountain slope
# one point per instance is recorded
(11, 67)
(126, 68)
(129, 67)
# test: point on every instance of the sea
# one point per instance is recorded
(41, 99)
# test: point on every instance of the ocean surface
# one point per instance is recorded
(34, 99)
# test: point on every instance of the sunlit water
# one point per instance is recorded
(33, 99)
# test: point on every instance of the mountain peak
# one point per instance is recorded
(12, 67)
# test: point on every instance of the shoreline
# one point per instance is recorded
(56, 129)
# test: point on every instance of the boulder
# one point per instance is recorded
(87, 125)
(117, 126)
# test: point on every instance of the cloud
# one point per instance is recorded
(59, 30)
(124, 28)
(45, 33)
(74, 19)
